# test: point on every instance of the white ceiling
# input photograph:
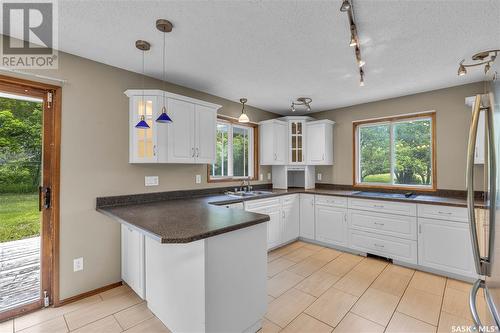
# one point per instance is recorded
(274, 51)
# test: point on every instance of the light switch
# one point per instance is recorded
(269, 176)
(319, 176)
(151, 181)
(261, 177)
(78, 264)
(198, 179)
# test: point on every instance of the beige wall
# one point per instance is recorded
(94, 162)
(452, 120)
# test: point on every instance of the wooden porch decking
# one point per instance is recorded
(19, 272)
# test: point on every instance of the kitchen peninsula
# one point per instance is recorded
(200, 267)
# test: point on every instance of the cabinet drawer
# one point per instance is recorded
(383, 206)
(386, 246)
(289, 199)
(387, 224)
(262, 203)
(450, 213)
(328, 200)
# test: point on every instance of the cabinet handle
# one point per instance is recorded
(197, 152)
(444, 213)
(377, 223)
(154, 150)
(323, 157)
(378, 206)
(419, 228)
(378, 245)
(275, 156)
(283, 213)
(192, 152)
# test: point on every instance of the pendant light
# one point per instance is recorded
(143, 46)
(243, 116)
(164, 26)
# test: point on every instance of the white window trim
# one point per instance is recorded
(429, 115)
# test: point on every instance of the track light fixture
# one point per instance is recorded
(306, 101)
(485, 58)
(347, 7)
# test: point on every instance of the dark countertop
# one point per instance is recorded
(187, 216)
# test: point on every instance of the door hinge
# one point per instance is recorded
(46, 300)
(49, 99)
(44, 198)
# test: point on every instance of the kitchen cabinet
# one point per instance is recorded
(291, 217)
(133, 259)
(190, 138)
(271, 207)
(296, 141)
(307, 216)
(319, 142)
(331, 225)
(272, 141)
(445, 245)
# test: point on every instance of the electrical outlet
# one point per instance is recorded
(78, 264)
(261, 177)
(320, 176)
(198, 179)
(268, 176)
(151, 181)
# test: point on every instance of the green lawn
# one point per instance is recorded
(381, 178)
(19, 216)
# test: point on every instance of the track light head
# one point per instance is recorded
(346, 5)
(462, 70)
(353, 41)
(487, 68)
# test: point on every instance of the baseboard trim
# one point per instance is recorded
(87, 294)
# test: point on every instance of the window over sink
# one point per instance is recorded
(235, 151)
(396, 152)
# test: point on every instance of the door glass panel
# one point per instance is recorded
(299, 128)
(145, 142)
(20, 177)
(294, 128)
(299, 142)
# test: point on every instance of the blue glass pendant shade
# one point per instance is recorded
(142, 124)
(164, 118)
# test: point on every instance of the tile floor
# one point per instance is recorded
(311, 289)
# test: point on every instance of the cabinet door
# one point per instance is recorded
(307, 216)
(280, 143)
(331, 225)
(296, 138)
(316, 144)
(143, 142)
(274, 227)
(445, 245)
(181, 132)
(266, 144)
(291, 218)
(205, 133)
(133, 270)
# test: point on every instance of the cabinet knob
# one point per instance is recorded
(192, 152)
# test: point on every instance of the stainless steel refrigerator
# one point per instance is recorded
(484, 217)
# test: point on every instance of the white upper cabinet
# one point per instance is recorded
(296, 141)
(319, 142)
(273, 143)
(190, 138)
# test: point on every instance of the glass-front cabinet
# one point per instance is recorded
(143, 143)
(296, 141)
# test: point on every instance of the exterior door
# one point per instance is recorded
(29, 183)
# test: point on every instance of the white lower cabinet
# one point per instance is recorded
(446, 246)
(291, 217)
(306, 216)
(133, 260)
(331, 225)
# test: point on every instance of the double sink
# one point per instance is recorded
(246, 194)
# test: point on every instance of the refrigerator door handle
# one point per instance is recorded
(470, 184)
(492, 170)
(472, 303)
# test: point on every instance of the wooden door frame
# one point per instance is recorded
(49, 234)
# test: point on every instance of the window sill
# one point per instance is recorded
(396, 187)
(229, 179)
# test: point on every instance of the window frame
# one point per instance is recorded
(255, 143)
(393, 120)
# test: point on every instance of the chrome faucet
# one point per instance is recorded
(248, 186)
